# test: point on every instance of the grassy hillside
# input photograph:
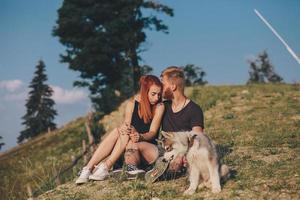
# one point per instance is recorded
(257, 128)
(37, 161)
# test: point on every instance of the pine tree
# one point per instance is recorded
(103, 40)
(194, 75)
(40, 112)
(268, 69)
(262, 71)
(146, 70)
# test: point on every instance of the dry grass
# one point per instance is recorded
(257, 128)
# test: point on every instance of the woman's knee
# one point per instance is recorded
(132, 145)
(149, 151)
(113, 134)
(146, 146)
(155, 155)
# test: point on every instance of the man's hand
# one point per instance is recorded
(177, 163)
(184, 161)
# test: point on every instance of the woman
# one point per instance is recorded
(137, 134)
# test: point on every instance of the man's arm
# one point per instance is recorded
(197, 119)
(197, 129)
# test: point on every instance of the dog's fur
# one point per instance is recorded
(202, 158)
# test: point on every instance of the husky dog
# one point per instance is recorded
(202, 159)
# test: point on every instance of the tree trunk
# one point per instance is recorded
(136, 69)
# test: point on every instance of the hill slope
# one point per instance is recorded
(257, 128)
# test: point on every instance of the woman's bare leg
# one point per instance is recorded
(148, 151)
(104, 149)
(132, 155)
(117, 150)
(135, 150)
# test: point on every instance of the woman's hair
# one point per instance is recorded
(146, 112)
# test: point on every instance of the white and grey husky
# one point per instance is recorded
(202, 159)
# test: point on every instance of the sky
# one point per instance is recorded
(217, 35)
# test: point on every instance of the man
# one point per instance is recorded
(181, 113)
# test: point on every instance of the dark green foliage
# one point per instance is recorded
(262, 71)
(102, 40)
(1, 143)
(146, 69)
(194, 75)
(40, 112)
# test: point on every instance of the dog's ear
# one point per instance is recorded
(167, 134)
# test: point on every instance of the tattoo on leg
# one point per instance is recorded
(129, 152)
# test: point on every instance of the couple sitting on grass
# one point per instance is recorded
(144, 115)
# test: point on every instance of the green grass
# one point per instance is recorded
(37, 161)
(257, 128)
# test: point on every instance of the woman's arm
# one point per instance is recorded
(127, 117)
(155, 124)
(129, 111)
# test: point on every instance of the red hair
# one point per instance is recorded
(146, 112)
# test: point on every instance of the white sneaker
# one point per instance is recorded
(100, 174)
(84, 176)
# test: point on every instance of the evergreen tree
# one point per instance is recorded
(262, 71)
(40, 113)
(1, 143)
(146, 69)
(194, 75)
(256, 76)
(103, 40)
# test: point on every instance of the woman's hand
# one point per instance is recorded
(125, 129)
(134, 135)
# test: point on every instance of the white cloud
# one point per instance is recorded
(16, 96)
(63, 96)
(60, 95)
(11, 85)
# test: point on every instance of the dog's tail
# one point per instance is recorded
(225, 173)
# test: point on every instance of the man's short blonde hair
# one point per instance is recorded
(175, 75)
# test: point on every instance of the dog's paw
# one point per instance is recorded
(216, 189)
(225, 172)
(189, 192)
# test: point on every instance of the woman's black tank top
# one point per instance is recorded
(139, 123)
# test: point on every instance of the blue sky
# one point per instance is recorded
(217, 35)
